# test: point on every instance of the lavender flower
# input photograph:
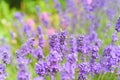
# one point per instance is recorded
(64, 20)
(84, 68)
(2, 72)
(12, 35)
(68, 71)
(62, 37)
(53, 40)
(80, 43)
(109, 58)
(6, 58)
(38, 10)
(95, 50)
(110, 13)
(22, 63)
(114, 37)
(40, 36)
(96, 68)
(62, 45)
(23, 51)
(27, 47)
(82, 77)
(23, 76)
(5, 55)
(53, 63)
(117, 53)
(72, 58)
(57, 5)
(23, 73)
(38, 53)
(18, 16)
(117, 27)
(27, 30)
(108, 51)
(42, 68)
(73, 47)
(93, 6)
(39, 30)
(64, 75)
(71, 5)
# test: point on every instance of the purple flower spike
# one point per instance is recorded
(27, 30)
(6, 58)
(26, 47)
(18, 16)
(2, 72)
(82, 77)
(62, 37)
(108, 51)
(53, 60)
(117, 27)
(53, 40)
(40, 36)
(64, 76)
(38, 10)
(114, 37)
(38, 53)
(23, 76)
(95, 50)
(42, 68)
(73, 46)
(57, 5)
(72, 58)
(96, 68)
(39, 30)
(80, 43)
(84, 68)
(12, 35)
(5, 55)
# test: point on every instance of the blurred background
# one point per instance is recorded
(27, 8)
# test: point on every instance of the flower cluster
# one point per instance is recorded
(73, 57)
(64, 60)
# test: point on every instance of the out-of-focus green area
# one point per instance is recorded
(9, 7)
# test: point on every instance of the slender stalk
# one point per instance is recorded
(53, 77)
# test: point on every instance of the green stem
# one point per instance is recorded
(99, 76)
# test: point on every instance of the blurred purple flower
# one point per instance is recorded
(84, 68)
(95, 53)
(3, 74)
(42, 68)
(80, 43)
(5, 54)
(18, 16)
(38, 53)
(40, 37)
(23, 76)
(38, 10)
(73, 47)
(114, 37)
(53, 40)
(117, 27)
(57, 5)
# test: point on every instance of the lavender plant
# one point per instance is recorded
(71, 56)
